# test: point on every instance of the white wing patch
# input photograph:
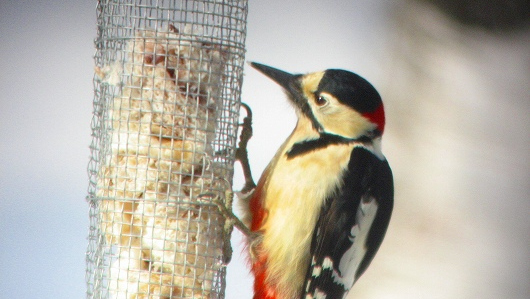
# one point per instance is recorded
(352, 258)
(327, 263)
(316, 271)
(320, 295)
(316, 295)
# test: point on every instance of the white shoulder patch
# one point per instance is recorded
(352, 258)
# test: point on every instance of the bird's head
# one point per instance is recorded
(335, 101)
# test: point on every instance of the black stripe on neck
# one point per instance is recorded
(325, 140)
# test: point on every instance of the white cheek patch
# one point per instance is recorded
(339, 119)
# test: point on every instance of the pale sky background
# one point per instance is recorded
(457, 139)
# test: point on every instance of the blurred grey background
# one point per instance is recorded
(454, 76)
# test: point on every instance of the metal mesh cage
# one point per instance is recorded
(166, 99)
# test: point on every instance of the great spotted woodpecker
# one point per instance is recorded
(322, 206)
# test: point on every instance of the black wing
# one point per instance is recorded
(351, 226)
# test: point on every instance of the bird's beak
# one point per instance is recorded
(289, 82)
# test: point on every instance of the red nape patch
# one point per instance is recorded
(377, 117)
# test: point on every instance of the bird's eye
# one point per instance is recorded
(321, 101)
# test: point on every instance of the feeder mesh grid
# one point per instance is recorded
(167, 89)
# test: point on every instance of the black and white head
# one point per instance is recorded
(335, 101)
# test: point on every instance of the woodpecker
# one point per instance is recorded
(322, 206)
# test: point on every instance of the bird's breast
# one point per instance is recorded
(293, 195)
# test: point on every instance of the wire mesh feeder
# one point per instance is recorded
(167, 95)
